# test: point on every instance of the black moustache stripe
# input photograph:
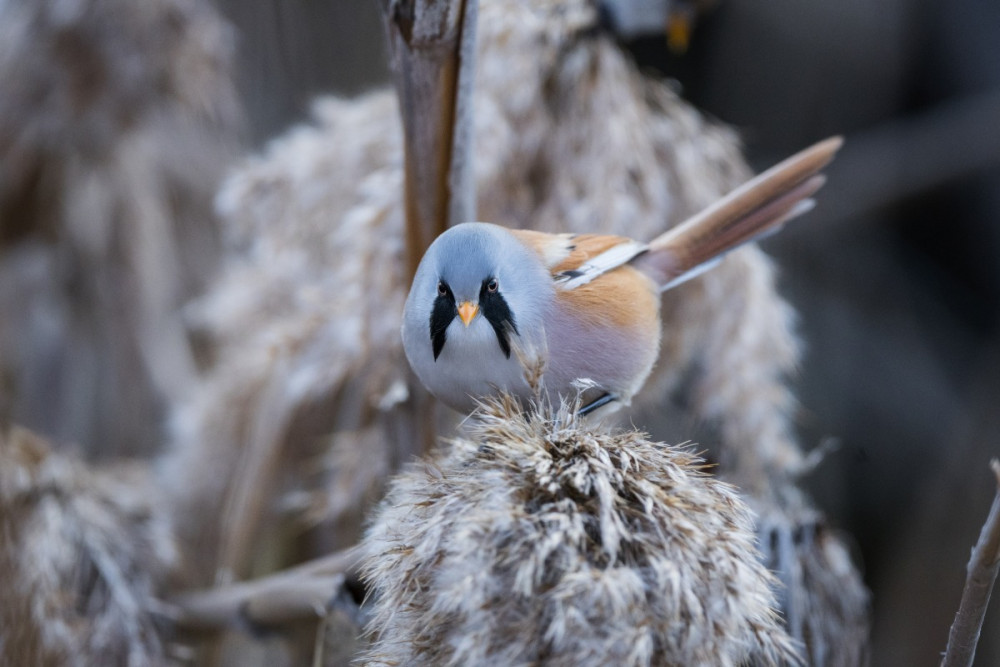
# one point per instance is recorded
(496, 311)
(442, 314)
(491, 304)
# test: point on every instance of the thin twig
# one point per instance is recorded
(981, 574)
(295, 594)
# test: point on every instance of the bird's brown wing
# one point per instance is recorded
(609, 309)
(752, 211)
(576, 259)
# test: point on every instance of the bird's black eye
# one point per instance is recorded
(492, 286)
(442, 288)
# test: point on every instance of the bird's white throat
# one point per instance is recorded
(472, 363)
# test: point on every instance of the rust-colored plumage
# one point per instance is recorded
(636, 303)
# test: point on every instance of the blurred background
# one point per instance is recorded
(894, 275)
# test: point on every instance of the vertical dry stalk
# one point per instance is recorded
(982, 573)
(432, 43)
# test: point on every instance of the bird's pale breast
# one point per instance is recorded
(608, 331)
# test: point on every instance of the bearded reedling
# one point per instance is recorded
(588, 303)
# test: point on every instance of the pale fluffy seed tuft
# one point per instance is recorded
(83, 553)
(535, 539)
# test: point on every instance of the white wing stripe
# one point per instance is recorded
(598, 265)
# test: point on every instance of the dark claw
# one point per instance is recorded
(601, 400)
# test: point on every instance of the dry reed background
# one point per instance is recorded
(893, 279)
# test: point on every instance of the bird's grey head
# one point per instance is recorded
(476, 271)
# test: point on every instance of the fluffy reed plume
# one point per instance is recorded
(533, 539)
(116, 119)
(569, 136)
(82, 553)
(826, 606)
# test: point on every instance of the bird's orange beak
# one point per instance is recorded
(467, 310)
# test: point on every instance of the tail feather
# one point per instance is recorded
(752, 211)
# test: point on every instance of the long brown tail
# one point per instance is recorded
(752, 211)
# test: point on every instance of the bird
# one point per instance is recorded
(487, 302)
